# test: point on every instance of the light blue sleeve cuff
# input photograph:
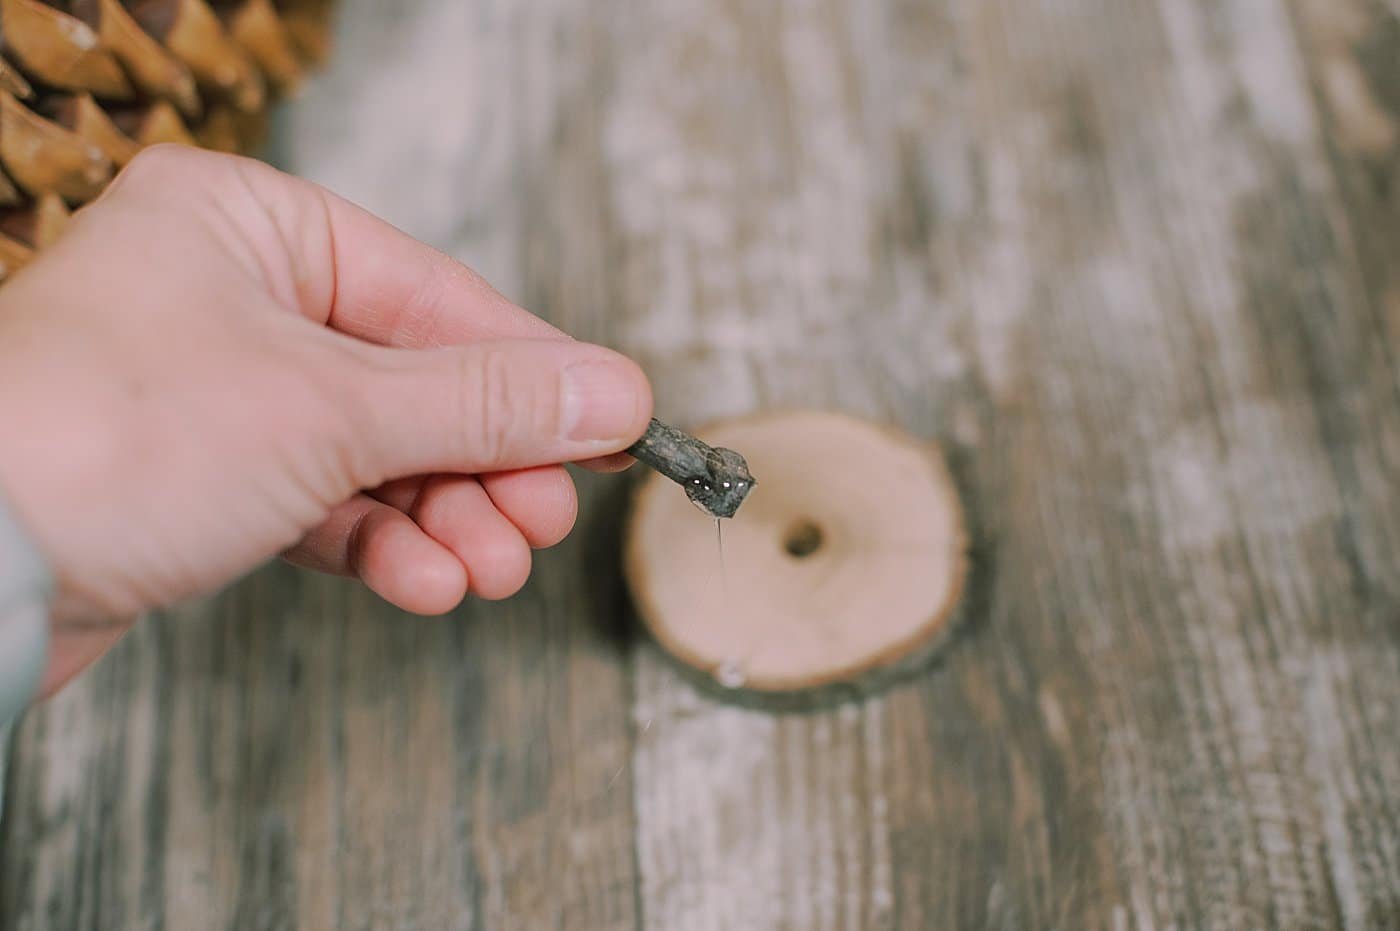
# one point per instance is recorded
(25, 588)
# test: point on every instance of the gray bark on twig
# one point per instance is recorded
(716, 479)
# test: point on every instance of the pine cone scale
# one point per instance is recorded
(86, 84)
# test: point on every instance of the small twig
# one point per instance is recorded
(716, 479)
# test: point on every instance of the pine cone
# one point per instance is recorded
(86, 84)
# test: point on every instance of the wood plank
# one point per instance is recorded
(294, 754)
(1133, 263)
(1095, 247)
(1351, 56)
(747, 247)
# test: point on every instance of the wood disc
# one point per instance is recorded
(847, 557)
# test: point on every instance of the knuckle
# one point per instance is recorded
(331, 393)
(151, 161)
(505, 405)
(169, 177)
(161, 164)
(344, 396)
(176, 173)
(494, 399)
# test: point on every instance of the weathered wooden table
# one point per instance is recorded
(1136, 263)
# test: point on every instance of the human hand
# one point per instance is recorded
(218, 363)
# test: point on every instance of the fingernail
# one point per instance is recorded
(600, 400)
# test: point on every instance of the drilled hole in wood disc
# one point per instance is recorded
(846, 559)
(803, 539)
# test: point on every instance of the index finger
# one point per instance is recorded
(394, 290)
(344, 267)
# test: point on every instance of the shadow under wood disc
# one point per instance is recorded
(844, 563)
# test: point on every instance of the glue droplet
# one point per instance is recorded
(730, 674)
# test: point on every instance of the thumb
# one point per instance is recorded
(495, 405)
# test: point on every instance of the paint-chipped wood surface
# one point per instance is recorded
(1135, 264)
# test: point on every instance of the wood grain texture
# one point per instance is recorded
(295, 754)
(1136, 265)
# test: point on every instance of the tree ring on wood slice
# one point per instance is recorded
(841, 571)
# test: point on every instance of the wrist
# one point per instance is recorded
(25, 590)
(63, 466)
